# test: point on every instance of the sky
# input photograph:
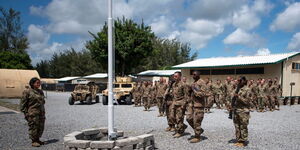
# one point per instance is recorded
(213, 28)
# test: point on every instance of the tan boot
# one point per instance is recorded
(177, 135)
(35, 144)
(168, 129)
(239, 144)
(195, 140)
(172, 129)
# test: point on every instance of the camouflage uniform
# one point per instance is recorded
(198, 98)
(189, 106)
(146, 97)
(161, 89)
(270, 91)
(32, 105)
(153, 95)
(217, 91)
(261, 97)
(168, 97)
(134, 92)
(209, 96)
(242, 114)
(277, 94)
(254, 98)
(139, 95)
(179, 103)
(227, 87)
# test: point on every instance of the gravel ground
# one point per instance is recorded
(270, 130)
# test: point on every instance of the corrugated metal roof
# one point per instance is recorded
(66, 78)
(236, 61)
(157, 73)
(96, 76)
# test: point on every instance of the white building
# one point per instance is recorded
(154, 75)
(286, 67)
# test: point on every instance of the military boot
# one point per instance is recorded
(168, 129)
(239, 144)
(35, 144)
(196, 139)
(177, 135)
(41, 142)
(173, 129)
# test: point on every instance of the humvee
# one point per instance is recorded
(84, 93)
(122, 91)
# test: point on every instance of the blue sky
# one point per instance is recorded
(214, 28)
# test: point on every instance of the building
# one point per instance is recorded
(286, 67)
(14, 81)
(71, 80)
(154, 75)
(97, 78)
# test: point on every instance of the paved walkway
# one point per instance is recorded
(4, 110)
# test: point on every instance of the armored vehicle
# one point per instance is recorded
(122, 91)
(84, 93)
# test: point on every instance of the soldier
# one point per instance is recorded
(134, 92)
(161, 89)
(270, 94)
(140, 93)
(198, 98)
(252, 90)
(209, 100)
(261, 96)
(169, 107)
(179, 103)
(278, 93)
(227, 87)
(146, 95)
(32, 105)
(217, 91)
(241, 112)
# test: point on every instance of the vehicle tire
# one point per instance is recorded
(71, 101)
(97, 99)
(105, 100)
(89, 100)
(128, 100)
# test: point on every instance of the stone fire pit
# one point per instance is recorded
(96, 139)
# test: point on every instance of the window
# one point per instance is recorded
(222, 71)
(250, 71)
(116, 85)
(296, 66)
(126, 85)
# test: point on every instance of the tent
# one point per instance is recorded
(14, 81)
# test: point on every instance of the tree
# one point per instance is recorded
(133, 43)
(13, 42)
(68, 63)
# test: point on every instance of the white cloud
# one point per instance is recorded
(162, 26)
(242, 37)
(199, 32)
(288, 20)
(294, 44)
(263, 51)
(246, 19)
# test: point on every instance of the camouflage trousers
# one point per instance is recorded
(179, 111)
(228, 100)
(277, 103)
(147, 103)
(218, 101)
(196, 121)
(137, 100)
(271, 102)
(170, 114)
(160, 105)
(254, 102)
(241, 121)
(36, 124)
(189, 114)
(261, 103)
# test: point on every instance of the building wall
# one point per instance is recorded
(290, 75)
(151, 78)
(270, 71)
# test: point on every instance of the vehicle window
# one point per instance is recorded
(126, 85)
(116, 85)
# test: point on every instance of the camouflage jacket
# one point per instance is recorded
(243, 99)
(161, 89)
(261, 91)
(32, 101)
(178, 93)
(198, 93)
(227, 87)
(217, 89)
(146, 91)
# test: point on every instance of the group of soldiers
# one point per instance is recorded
(177, 99)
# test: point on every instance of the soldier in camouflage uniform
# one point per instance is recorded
(160, 91)
(278, 93)
(261, 96)
(169, 107)
(227, 90)
(217, 92)
(242, 112)
(270, 90)
(179, 103)
(146, 95)
(198, 95)
(140, 93)
(32, 105)
(210, 96)
(134, 92)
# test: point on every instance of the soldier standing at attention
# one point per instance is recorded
(210, 96)
(179, 102)
(32, 105)
(168, 98)
(217, 91)
(161, 89)
(278, 93)
(241, 112)
(146, 96)
(134, 92)
(227, 86)
(261, 96)
(198, 98)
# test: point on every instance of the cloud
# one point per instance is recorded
(242, 37)
(263, 51)
(288, 20)
(162, 26)
(294, 44)
(199, 32)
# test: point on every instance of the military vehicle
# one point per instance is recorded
(122, 91)
(84, 93)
